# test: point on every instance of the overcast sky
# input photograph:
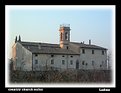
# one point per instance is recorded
(42, 24)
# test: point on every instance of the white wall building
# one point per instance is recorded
(35, 56)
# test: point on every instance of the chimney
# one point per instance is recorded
(83, 42)
(89, 42)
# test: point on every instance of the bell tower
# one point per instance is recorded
(64, 36)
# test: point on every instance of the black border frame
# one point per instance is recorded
(37, 2)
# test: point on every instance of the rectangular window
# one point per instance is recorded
(83, 62)
(71, 62)
(83, 51)
(63, 56)
(86, 64)
(92, 63)
(52, 55)
(102, 52)
(71, 56)
(102, 62)
(67, 47)
(92, 51)
(36, 61)
(52, 61)
(63, 62)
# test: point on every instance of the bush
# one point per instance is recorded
(85, 76)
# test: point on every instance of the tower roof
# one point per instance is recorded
(65, 25)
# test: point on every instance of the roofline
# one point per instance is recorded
(94, 48)
(56, 53)
(89, 47)
(37, 42)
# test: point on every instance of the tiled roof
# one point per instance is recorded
(41, 44)
(46, 48)
(82, 45)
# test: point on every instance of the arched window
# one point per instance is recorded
(66, 36)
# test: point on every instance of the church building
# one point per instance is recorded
(37, 56)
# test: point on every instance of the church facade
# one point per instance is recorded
(37, 56)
